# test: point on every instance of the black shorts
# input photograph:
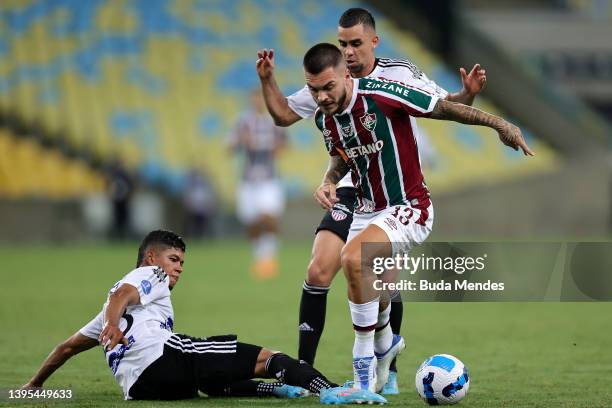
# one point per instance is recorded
(191, 364)
(339, 219)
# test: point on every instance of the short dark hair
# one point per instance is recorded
(321, 57)
(162, 238)
(354, 16)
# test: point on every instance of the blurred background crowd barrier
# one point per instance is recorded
(115, 115)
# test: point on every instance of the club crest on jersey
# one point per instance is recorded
(326, 132)
(368, 121)
(338, 215)
(347, 131)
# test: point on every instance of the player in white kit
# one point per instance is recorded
(261, 200)
(357, 39)
(151, 362)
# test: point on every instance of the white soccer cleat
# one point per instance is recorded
(346, 395)
(385, 359)
(364, 373)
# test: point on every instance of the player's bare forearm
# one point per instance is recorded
(277, 104)
(336, 169)
(458, 112)
(117, 303)
(509, 134)
(325, 195)
(76, 344)
(275, 100)
(463, 97)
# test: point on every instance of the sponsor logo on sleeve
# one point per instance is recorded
(146, 286)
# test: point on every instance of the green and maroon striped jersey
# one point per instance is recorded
(376, 136)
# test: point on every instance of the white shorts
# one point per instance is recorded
(259, 198)
(405, 226)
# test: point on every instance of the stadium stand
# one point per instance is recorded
(158, 84)
(29, 170)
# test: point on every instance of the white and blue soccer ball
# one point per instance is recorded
(442, 380)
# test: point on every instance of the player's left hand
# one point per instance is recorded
(475, 81)
(511, 136)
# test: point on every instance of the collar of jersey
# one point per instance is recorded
(373, 68)
(353, 98)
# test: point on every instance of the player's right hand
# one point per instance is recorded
(30, 386)
(265, 63)
(511, 136)
(325, 195)
(110, 336)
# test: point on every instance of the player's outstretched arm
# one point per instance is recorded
(118, 301)
(325, 194)
(509, 134)
(276, 102)
(72, 346)
(473, 84)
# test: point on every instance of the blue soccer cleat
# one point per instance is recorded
(290, 391)
(385, 359)
(345, 395)
(391, 387)
(364, 373)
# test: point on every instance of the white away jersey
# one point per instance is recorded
(302, 103)
(147, 326)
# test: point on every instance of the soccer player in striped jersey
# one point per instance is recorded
(368, 128)
(358, 41)
(150, 362)
(260, 199)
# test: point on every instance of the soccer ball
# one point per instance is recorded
(442, 380)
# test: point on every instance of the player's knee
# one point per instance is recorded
(264, 355)
(351, 262)
(319, 274)
(262, 361)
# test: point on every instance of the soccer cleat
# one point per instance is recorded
(385, 359)
(391, 387)
(264, 269)
(290, 391)
(346, 395)
(364, 373)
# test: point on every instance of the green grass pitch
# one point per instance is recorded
(518, 354)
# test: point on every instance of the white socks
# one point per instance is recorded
(364, 344)
(383, 337)
(265, 246)
(364, 315)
